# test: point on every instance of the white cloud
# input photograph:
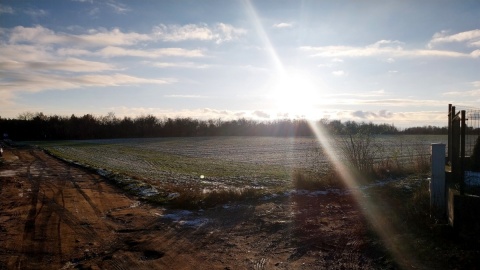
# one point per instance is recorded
(111, 51)
(475, 53)
(219, 33)
(469, 93)
(24, 53)
(30, 58)
(179, 65)
(261, 114)
(69, 64)
(382, 48)
(471, 38)
(202, 113)
(398, 102)
(283, 25)
(73, 52)
(40, 82)
(95, 38)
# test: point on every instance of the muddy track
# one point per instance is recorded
(54, 215)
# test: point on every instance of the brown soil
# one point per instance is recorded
(57, 216)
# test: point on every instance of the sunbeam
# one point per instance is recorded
(287, 94)
(380, 224)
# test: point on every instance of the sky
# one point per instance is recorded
(394, 62)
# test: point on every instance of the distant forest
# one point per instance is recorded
(37, 126)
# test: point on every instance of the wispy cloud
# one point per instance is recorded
(384, 48)
(37, 58)
(179, 65)
(367, 94)
(382, 114)
(282, 25)
(471, 38)
(218, 33)
(118, 8)
(39, 82)
(6, 9)
(261, 114)
(111, 51)
(68, 64)
(95, 37)
(35, 13)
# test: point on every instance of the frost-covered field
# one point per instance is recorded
(230, 161)
(292, 152)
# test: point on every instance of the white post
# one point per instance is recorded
(438, 204)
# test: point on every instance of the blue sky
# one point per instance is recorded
(396, 62)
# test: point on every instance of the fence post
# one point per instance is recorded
(438, 204)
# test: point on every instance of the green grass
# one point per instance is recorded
(133, 168)
(134, 159)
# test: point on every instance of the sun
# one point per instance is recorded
(294, 93)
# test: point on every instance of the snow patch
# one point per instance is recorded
(193, 223)
(181, 218)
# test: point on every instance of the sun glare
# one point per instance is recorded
(294, 93)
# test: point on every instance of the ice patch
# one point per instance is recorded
(193, 223)
(180, 218)
(148, 191)
(173, 195)
(178, 215)
(103, 172)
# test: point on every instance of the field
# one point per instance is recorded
(60, 215)
(223, 162)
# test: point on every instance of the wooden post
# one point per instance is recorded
(438, 188)
(462, 152)
(450, 133)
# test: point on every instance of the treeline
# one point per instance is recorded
(37, 126)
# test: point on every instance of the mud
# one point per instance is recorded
(57, 216)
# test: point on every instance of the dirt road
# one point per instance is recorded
(57, 216)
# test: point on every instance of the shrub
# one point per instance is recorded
(360, 151)
(196, 197)
(304, 179)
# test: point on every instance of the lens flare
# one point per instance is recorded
(287, 94)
